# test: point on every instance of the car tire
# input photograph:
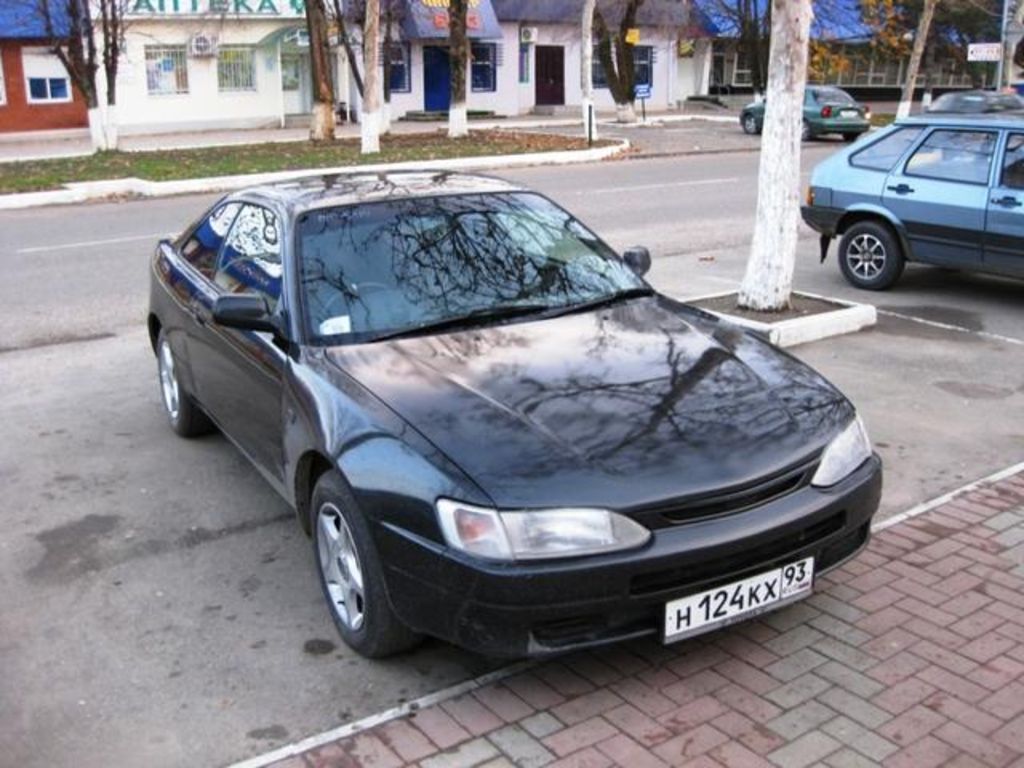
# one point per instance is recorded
(849, 138)
(870, 256)
(749, 124)
(184, 416)
(351, 574)
(805, 132)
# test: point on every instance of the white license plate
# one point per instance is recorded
(849, 113)
(723, 605)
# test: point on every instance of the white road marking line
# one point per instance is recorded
(949, 327)
(928, 506)
(90, 243)
(691, 183)
(357, 726)
(318, 740)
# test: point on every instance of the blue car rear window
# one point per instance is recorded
(886, 152)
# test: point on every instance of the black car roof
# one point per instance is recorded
(330, 190)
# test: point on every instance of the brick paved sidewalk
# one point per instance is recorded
(911, 655)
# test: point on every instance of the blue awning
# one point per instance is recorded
(428, 19)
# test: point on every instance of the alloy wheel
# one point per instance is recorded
(340, 566)
(750, 124)
(865, 255)
(169, 381)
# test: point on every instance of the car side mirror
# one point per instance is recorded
(245, 311)
(638, 259)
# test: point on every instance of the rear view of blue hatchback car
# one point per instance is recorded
(941, 190)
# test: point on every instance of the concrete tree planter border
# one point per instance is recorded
(849, 317)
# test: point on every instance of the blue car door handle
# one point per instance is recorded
(1007, 201)
(901, 189)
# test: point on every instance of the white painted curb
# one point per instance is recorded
(801, 330)
(97, 190)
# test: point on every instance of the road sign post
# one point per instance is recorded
(642, 92)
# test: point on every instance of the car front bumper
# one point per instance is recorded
(535, 609)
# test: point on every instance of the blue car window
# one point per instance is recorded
(1013, 163)
(951, 155)
(202, 246)
(887, 151)
(251, 259)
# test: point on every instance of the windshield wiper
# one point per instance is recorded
(604, 301)
(480, 316)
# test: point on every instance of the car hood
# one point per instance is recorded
(632, 405)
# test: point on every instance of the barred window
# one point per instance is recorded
(166, 69)
(484, 62)
(236, 70)
(643, 67)
(401, 82)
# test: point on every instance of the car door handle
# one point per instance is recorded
(198, 312)
(1008, 201)
(901, 189)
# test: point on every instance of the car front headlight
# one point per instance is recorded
(536, 534)
(844, 454)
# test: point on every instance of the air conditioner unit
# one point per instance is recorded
(527, 34)
(202, 46)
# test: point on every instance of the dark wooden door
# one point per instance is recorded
(550, 68)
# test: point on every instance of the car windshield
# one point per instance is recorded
(832, 96)
(386, 268)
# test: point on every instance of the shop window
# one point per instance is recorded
(166, 70)
(46, 80)
(484, 67)
(236, 69)
(524, 62)
(643, 67)
(401, 81)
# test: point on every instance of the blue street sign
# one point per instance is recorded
(641, 91)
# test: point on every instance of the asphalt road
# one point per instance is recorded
(158, 605)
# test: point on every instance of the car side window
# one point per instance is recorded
(950, 155)
(201, 247)
(1013, 162)
(886, 152)
(251, 259)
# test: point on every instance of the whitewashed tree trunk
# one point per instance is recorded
(768, 281)
(111, 132)
(1015, 21)
(97, 135)
(458, 58)
(920, 41)
(624, 113)
(587, 69)
(385, 118)
(369, 125)
(321, 122)
(458, 120)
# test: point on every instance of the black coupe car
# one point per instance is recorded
(493, 429)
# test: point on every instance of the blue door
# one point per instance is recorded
(437, 79)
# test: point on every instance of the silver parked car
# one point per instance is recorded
(939, 189)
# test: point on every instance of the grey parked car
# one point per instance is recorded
(940, 189)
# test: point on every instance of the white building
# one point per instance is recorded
(194, 64)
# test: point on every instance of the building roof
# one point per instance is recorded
(24, 19)
(671, 13)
